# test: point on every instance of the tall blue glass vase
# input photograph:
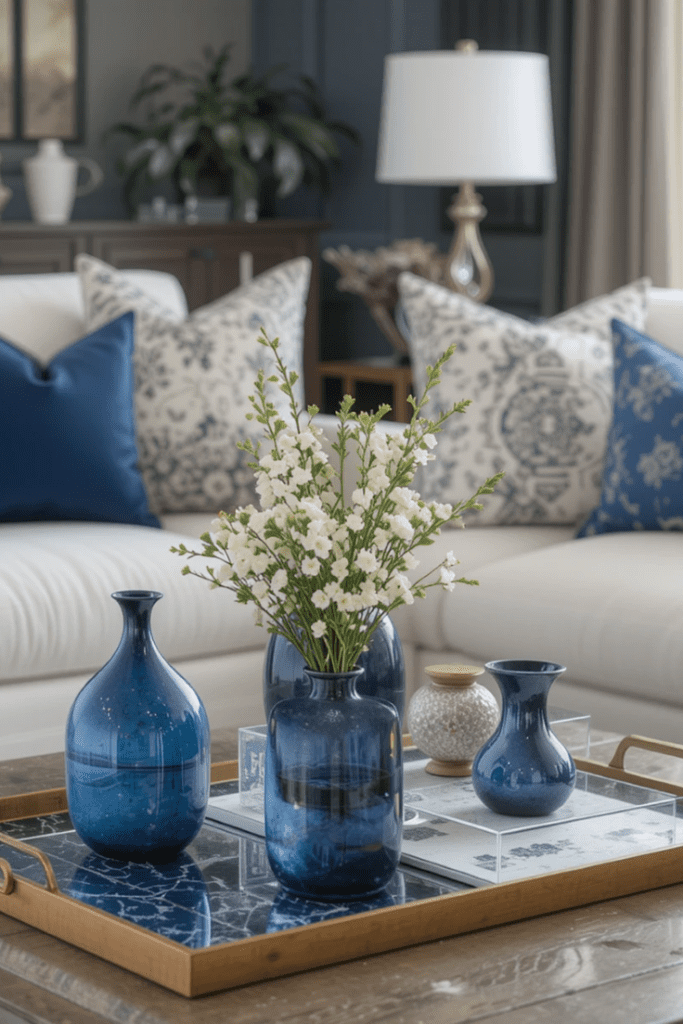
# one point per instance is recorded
(383, 669)
(333, 790)
(138, 756)
(523, 769)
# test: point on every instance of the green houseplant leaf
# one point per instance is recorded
(207, 134)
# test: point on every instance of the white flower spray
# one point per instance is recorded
(321, 573)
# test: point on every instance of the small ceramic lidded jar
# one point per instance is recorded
(451, 717)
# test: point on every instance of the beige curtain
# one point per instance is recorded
(625, 216)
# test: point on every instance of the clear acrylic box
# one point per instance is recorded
(252, 765)
(449, 831)
(452, 833)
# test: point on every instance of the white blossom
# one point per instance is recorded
(378, 480)
(400, 526)
(354, 522)
(441, 511)
(422, 457)
(362, 497)
(366, 560)
(340, 569)
(318, 629)
(380, 539)
(279, 581)
(301, 476)
(447, 578)
(310, 566)
(260, 562)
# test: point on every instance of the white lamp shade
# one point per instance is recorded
(455, 116)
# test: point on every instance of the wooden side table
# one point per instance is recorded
(371, 383)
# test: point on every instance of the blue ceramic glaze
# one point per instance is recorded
(383, 670)
(523, 769)
(137, 749)
(333, 790)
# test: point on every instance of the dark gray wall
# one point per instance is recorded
(122, 39)
(342, 44)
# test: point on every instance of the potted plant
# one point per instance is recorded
(244, 138)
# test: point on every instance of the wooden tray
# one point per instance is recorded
(194, 972)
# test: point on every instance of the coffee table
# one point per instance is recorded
(617, 961)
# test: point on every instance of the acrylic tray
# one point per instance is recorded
(216, 919)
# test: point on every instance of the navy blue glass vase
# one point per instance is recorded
(523, 769)
(138, 756)
(383, 669)
(333, 790)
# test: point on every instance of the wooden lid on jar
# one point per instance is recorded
(454, 675)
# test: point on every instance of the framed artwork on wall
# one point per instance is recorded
(41, 69)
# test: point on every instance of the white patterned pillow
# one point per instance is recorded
(541, 400)
(193, 378)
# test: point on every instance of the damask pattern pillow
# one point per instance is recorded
(193, 378)
(541, 400)
(642, 486)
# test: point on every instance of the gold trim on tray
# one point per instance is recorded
(194, 972)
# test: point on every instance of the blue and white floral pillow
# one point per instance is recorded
(642, 485)
(541, 400)
(193, 378)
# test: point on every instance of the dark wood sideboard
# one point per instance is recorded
(206, 258)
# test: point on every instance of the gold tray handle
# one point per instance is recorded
(8, 883)
(643, 743)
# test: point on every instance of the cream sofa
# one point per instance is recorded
(608, 607)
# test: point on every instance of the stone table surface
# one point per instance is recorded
(616, 962)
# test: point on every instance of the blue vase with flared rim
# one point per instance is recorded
(333, 790)
(138, 755)
(383, 667)
(523, 770)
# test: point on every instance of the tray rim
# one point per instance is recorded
(194, 972)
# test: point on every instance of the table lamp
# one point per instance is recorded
(455, 117)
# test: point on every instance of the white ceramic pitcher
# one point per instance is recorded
(50, 178)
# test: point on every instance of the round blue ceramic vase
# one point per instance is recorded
(333, 790)
(138, 756)
(383, 670)
(523, 770)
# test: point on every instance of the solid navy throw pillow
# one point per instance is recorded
(68, 449)
(642, 484)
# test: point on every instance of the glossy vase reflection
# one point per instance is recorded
(523, 769)
(333, 790)
(383, 669)
(137, 749)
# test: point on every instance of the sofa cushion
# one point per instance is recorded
(541, 400)
(421, 623)
(59, 618)
(43, 313)
(194, 376)
(664, 320)
(641, 487)
(68, 432)
(609, 607)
